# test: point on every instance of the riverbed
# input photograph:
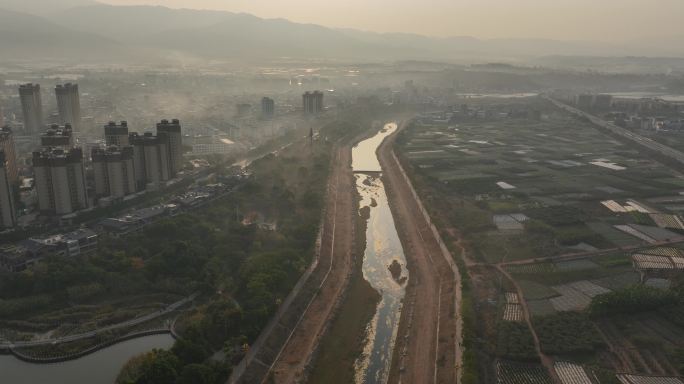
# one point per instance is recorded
(100, 367)
(382, 248)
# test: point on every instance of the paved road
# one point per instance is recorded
(624, 133)
(85, 335)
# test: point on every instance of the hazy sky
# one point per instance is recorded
(606, 20)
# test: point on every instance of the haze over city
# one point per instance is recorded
(366, 192)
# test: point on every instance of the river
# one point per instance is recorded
(100, 367)
(382, 248)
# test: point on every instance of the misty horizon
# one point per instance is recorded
(359, 191)
(608, 21)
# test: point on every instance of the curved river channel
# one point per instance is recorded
(100, 367)
(382, 249)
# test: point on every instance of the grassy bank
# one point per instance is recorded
(344, 342)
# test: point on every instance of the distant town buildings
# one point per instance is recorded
(209, 145)
(136, 220)
(32, 108)
(170, 133)
(243, 110)
(58, 136)
(594, 102)
(8, 215)
(60, 180)
(155, 158)
(267, 107)
(7, 147)
(312, 102)
(69, 105)
(150, 159)
(113, 171)
(116, 134)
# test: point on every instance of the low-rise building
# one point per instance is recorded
(136, 220)
(17, 257)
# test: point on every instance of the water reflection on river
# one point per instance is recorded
(382, 247)
(101, 367)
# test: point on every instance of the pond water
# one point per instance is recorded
(382, 249)
(100, 367)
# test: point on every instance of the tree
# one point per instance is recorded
(196, 374)
(189, 352)
(161, 369)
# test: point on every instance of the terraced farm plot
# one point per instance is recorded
(531, 268)
(511, 222)
(613, 235)
(664, 220)
(658, 234)
(658, 283)
(570, 373)
(628, 229)
(636, 379)
(570, 299)
(535, 291)
(619, 281)
(540, 307)
(658, 259)
(513, 312)
(512, 298)
(517, 373)
(575, 265)
(663, 251)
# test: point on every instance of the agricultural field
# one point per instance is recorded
(570, 373)
(508, 372)
(545, 187)
(560, 209)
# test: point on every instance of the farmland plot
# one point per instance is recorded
(532, 268)
(535, 291)
(540, 307)
(638, 234)
(659, 234)
(515, 373)
(588, 288)
(619, 281)
(636, 379)
(576, 265)
(512, 309)
(664, 220)
(570, 373)
(570, 299)
(513, 312)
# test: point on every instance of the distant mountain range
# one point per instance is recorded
(84, 29)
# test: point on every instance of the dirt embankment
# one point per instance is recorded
(336, 261)
(427, 349)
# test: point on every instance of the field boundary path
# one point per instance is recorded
(429, 341)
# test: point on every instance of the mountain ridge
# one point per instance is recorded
(211, 34)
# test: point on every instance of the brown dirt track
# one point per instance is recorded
(427, 348)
